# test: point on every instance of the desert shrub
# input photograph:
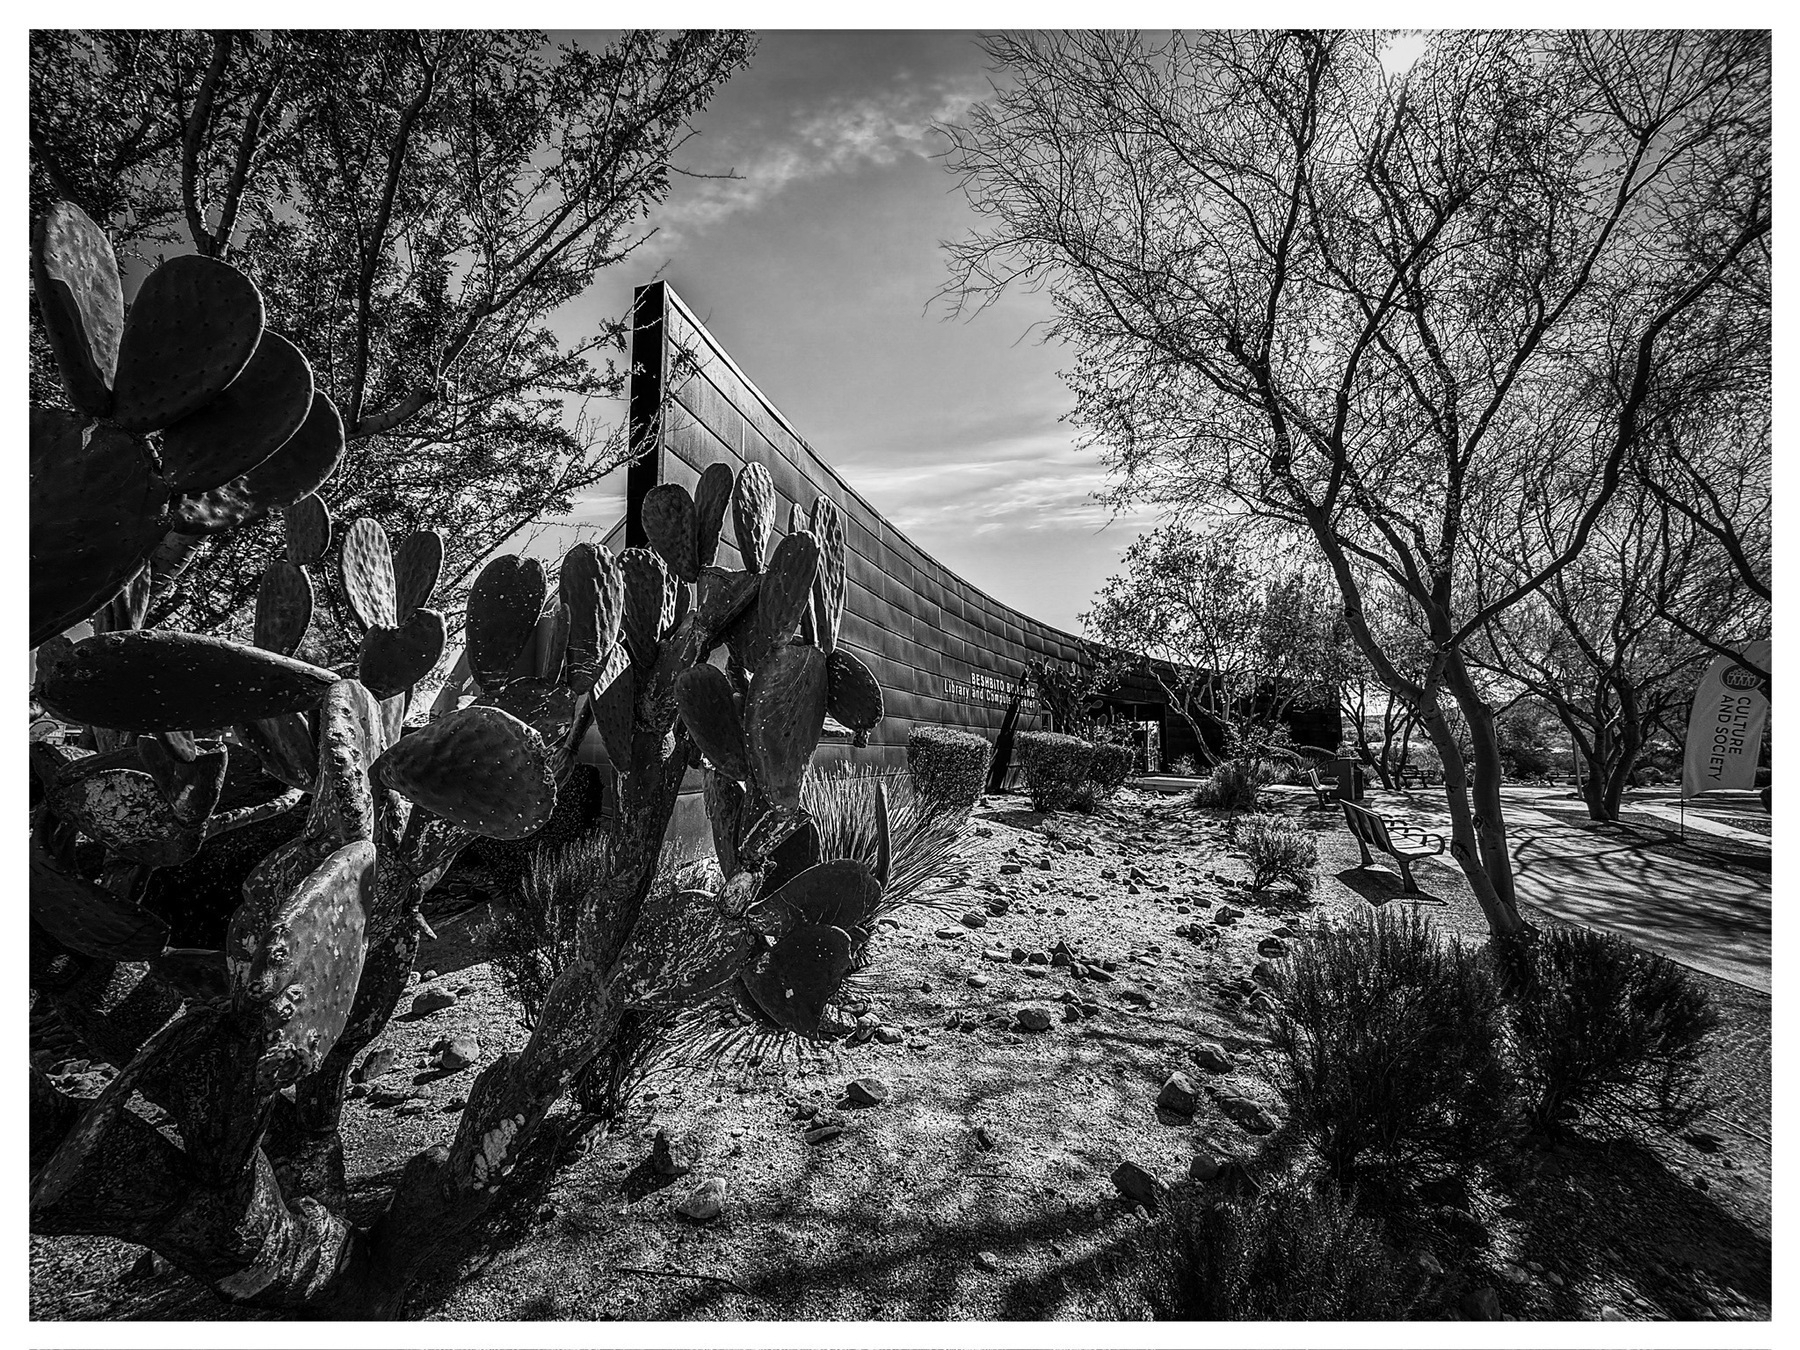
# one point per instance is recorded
(1055, 768)
(1110, 767)
(1292, 1251)
(1393, 1042)
(1184, 766)
(924, 843)
(948, 767)
(1278, 850)
(1605, 1030)
(1234, 785)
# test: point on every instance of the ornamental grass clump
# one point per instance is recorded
(1055, 768)
(1279, 850)
(1234, 785)
(949, 769)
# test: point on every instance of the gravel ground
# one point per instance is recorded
(979, 1188)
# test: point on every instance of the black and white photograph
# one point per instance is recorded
(824, 681)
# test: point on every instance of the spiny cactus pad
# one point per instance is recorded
(418, 562)
(368, 572)
(830, 584)
(284, 747)
(668, 518)
(784, 719)
(308, 525)
(796, 981)
(646, 587)
(680, 951)
(123, 810)
(613, 707)
(842, 893)
(785, 593)
(753, 514)
(551, 644)
(90, 919)
(393, 660)
(352, 736)
(802, 850)
(723, 596)
(504, 606)
(853, 695)
(284, 608)
(548, 709)
(709, 708)
(308, 959)
(76, 277)
(300, 467)
(190, 780)
(480, 768)
(725, 802)
(246, 424)
(98, 507)
(193, 328)
(155, 680)
(712, 499)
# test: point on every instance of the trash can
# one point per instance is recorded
(1349, 781)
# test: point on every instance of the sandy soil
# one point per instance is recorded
(909, 1212)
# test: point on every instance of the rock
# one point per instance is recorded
(1060, 955)
(1011, 869)
(822, 1134)
(948, 933)
(1071, 1013)
(979, 981)
(1204, 1167)
(1132, 993)
(1178, 1095)
(1608, 1313)
(376, 1063)
(1109, 965)
(429, 976)
(975, 919)
(1248, 1114)
(1033, 1018)
(1481, 1305)
(986, 1261)
(998, 905)
(868, 1091)
(1271, 946)
(455, 1052)
(1512, 1274)
(1263, 1005)
(996, 954)
(1213, 1057)
(412, 1106)
(1018, 955)
(1089, 1008)
(1425, 1262)
(1706, 1143)
(889, 1035)
(432, 1000)
(1038, 958)
(1284, 931)
(705, 1203)
(806, 1110)
(1099, 975)
(984, 1138)
(1263, 973)
(1137, 1186)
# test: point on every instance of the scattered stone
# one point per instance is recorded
(432, 1000)
(1018, 956)
(1098, 975)
(1011, 869)
(979, 981)
(1071, 1013)
(1204, 1167)
(1178, 1095)
(1264, 1005)
(1271, 946)
(1706, 1143)
(1137, 1186)
(666, 1160)
(987, 1261)
(1481, 1305)
(998, 906)
(376, 1063)
(996, 955)
(1109, 965)
(1033, 1018)
(984, 1138)
(822, 1134)
(1038, 972)
(889, 1035)
(412, 1106)
(1284, 931)
(705, 1203)
(1425, 1262)
(1512, 1274)
(455, 1052)
(949, 933)
(429, 976)
(1089, 1008)
(1248, 1114)
(975, 919)
(868, 1091)
(1213, 1057)
(1038, 958)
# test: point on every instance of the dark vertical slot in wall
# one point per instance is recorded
(649, 306)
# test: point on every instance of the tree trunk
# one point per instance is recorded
(1477, 816)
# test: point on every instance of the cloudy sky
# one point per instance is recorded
(816, 266)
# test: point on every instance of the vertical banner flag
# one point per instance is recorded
(1725, 727)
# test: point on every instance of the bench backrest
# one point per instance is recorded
(1312, 776)
(1367, 826)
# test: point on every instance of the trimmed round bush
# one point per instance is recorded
(1110, 767)
(1394, 1043)
(1055, 768)
(949, 768)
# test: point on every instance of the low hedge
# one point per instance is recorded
(1055, 769)
(1111, 766)
(948, 767)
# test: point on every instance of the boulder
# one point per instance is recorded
(1137, 1186)
(1178, 1095)
(705, 1202)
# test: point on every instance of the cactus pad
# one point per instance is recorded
(123, 810)
(550, 647)
(368, 572)
(246, 424)
(393, 660)
(548, 709)
(725, 803)
(308, 530)
(90, 919)
(352, 736)
(680, 951)
(753, 514)
(784, 719)
(709, 708)
(646, 589)
(797, 979)
(308, 959)
(785, 593)
(504, 606)
(155, 680)
(668, 519)
(802, 849)
(192, 329)
(284, 607)
(128, 608)
(614, 705)
(297, 469)
(852, 694)
(418, 563)
(98, 508)
(284, 747)
(830, 584)
(842, 893)
(480, 768)
(190, 777)
(723, 596)
(712, 499)
(76, 277)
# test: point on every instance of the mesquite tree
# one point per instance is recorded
(1368, 301)
(228, 869)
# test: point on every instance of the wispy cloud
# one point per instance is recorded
(839, 135)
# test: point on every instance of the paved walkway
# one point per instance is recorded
(1713, 917)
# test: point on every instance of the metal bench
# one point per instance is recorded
(1323, 793)
(1371, 831)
